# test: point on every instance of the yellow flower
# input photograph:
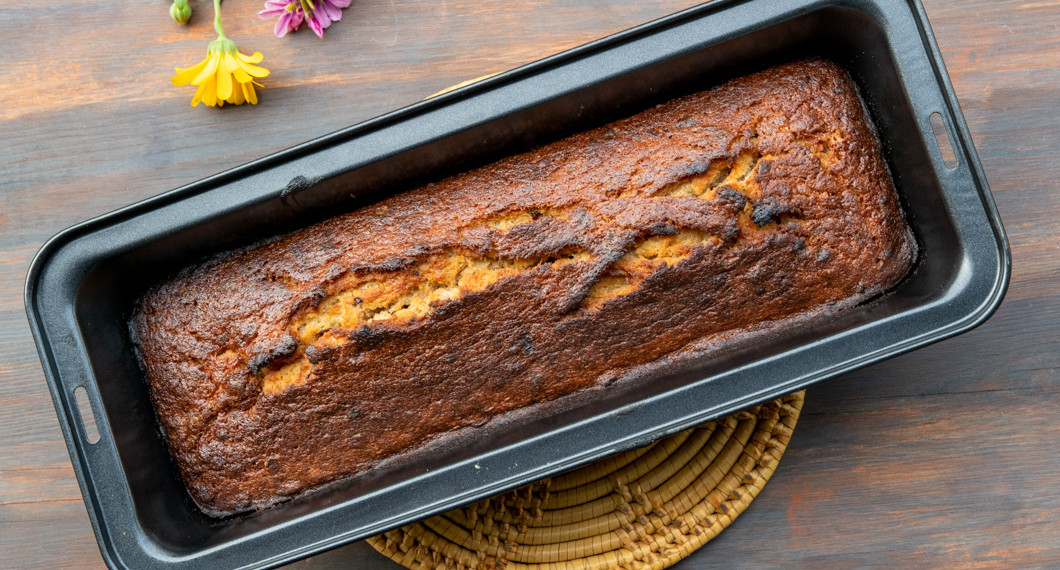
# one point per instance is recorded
(225, 76)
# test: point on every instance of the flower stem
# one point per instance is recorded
(217, 20)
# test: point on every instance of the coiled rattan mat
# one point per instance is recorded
(646, 508)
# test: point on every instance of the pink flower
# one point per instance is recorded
(323, 13)
(289, 12)
(319, 14)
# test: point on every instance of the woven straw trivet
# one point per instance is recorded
(646, 508)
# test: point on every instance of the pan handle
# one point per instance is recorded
(944, 140)
(86, 414)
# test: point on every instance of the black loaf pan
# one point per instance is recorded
(84, 282)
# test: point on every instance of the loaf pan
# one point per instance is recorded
(84, 282)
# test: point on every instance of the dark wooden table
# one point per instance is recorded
(946, 457)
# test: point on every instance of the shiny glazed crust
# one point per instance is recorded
(301, 362)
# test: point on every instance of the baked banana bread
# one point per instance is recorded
(303, 361)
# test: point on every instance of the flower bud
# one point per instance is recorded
(180, 11)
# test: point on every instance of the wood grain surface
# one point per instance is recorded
(943, 457)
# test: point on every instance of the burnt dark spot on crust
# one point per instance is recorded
(696, 168)
(763, 214)
(766, 212)
(285, 347)
(366, 337)
(394, 264)
(662, 229)
(732, 196)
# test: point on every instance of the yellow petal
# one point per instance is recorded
(208, 71)
(224, 84)
(254, 70)
(198, 96)
(230, 63)
(256, 58)
(185, 75)
(241, 76)
(209, 93)
(248, 91)
(237, 97)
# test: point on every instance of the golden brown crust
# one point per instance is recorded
(303, 361)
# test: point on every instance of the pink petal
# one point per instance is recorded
(314, 25)
(281, 28)
(273, 8)
(324, 17)
(333, 14)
